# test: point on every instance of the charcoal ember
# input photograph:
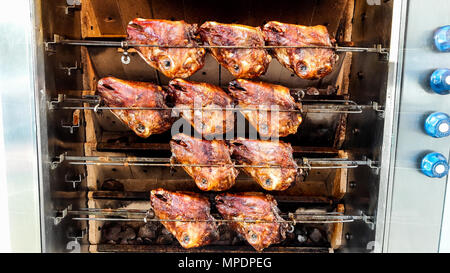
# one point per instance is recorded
(139, 241)
(237, 239)
(148, 231)
(112, 185)
(111, 232)
(127, 235)
(290, 236)
(301, 235)
(316, 236)
(165, 239)
(225, 233)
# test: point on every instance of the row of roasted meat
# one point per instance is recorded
(212, 163)
(269, 108)
(255, 216)
(306, 51)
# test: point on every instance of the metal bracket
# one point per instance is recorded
(52, 104)
(72, 5)
(75, 179)
(383, 53)
(379, 109)
(372, 164)
(126, 55)
(50, 45)
(60, 215)
(75, 123)
(74, 246)
(369, 220)
(59, 159)
(69, 69)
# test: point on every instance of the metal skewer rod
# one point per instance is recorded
(217, 221)
(306, 108)
(327, 106)
(128, 212)
(126, 44)
(305, 163)
(298, 219)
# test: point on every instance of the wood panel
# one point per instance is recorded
(109, 18)
(337, 230)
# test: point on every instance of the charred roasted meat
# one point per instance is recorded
(192, 151)
(119, 93)
(241, 62)
(187, 94)
(307, 63)
(197, 228)
(172, 62)
(253, 207)
(267, 153)
(284, 118)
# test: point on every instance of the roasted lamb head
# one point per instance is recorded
(278, 114)
(209, 120)
(307, 63)
(244, 208)
(196, 227)
(172, 62)
(241, 62)
(119, 93)
(202, 154)
(265, 154)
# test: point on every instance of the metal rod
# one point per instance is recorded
(305, 163)
(100, 211)
(293, 218)
(338, 106)
(126, 44)
(217, 221)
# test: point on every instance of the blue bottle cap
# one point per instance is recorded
(438, 125)
(442, 38)
(440, 81)
(435, 165)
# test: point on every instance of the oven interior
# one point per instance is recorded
(73, 71)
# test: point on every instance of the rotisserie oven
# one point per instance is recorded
(229, 126)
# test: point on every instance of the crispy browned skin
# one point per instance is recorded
(190, 150)
(187, 94)
(260, 95)
(253, 206)
(311, 63)
(120, 93)
(172, 62)
(169, 205)
(267, 153)
(242, 63)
